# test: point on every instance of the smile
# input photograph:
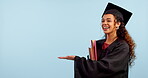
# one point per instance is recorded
(106, 27)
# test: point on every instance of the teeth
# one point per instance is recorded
(105, 27)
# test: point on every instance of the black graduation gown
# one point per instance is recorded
(112, 62)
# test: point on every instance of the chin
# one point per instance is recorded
(106, 32)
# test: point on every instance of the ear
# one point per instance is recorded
(118, 24)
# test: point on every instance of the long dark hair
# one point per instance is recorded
(122, 33)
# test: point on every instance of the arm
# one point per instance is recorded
(116, 61)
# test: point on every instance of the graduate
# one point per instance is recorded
(115, 53)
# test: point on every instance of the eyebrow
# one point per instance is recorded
(106, 18)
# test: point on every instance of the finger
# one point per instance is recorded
(62, 57)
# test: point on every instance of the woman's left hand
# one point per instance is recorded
(67, 57)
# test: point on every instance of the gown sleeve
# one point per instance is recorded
(114, 63)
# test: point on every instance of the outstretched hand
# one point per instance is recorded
(67, 57)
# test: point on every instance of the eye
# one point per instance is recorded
(102, 20)
(109, 21)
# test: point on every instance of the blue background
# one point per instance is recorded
(33, 33)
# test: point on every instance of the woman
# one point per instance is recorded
(115, 52)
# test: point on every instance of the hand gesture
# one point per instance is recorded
(67, 57)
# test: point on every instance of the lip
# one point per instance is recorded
(105, 28)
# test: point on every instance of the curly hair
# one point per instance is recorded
(122, 33)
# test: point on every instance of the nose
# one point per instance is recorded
(104, 23)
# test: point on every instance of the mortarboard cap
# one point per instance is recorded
(124, 14)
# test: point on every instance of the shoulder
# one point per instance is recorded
(122, 44)
(119, 46)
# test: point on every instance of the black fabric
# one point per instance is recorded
(112, 63)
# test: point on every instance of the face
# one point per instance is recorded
(108, 23)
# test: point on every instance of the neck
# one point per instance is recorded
(111, 37)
